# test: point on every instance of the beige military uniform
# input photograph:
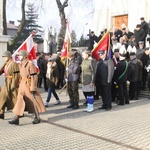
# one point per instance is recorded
(27, 84)
(8, 96)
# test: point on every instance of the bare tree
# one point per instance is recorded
(14, 41)
(61, 34)
(4, 18)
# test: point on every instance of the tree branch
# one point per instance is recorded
(14, 41)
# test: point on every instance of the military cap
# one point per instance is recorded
(7, 54)
(23, 53)
(101, 52)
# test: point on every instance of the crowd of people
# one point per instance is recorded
(118, 78)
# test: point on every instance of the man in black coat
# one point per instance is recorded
(118, 33)
(120, 78)
(139, 34)
(103, 79)
(93, 38)
(144, 26)
(134, 76)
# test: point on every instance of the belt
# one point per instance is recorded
(9, 77)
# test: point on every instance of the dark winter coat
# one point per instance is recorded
(120, 68)
(139, 35)
(135, 70)
(104, 72)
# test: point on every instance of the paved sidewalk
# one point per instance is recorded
(122, 128)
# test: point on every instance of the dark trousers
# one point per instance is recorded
(122, 93)
(144, 79)
(106, 95)
(114, 92)
(50, 91)
(149, 81)
(39, 82)
(97, 92)
(134, 90)
(45, 84)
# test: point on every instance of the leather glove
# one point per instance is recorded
(12, 89)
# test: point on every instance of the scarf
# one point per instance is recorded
(49, 68)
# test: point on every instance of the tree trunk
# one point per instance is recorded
(4, 18)
(61, 34)
(15, 40)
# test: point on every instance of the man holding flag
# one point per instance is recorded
(104, 70)
(103, 78)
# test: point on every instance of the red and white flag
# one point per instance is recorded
(103, 44)
(67, 42)
(27, 45)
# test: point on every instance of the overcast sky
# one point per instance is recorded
(79, 11)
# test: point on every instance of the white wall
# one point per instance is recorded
(106, 10)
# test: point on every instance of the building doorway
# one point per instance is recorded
(119, 21)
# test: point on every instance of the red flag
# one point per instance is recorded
(67, 41)
(103, 44)
(27, 45)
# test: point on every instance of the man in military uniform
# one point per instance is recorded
(28, 94)
(73, 76)
(8, 93)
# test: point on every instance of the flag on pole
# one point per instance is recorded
(27, 45)
(103, 44)
(67, 42)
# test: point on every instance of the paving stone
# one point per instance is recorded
(123, 128)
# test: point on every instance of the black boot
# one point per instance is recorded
(36, 121)
(14, 121)
(71, 105)
(76, 105)
(1, 116)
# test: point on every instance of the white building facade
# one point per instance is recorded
(119, 13)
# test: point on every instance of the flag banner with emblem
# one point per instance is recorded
(27, 45)
(103, 44)
(67, 41)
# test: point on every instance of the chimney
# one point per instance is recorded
(11, 22)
